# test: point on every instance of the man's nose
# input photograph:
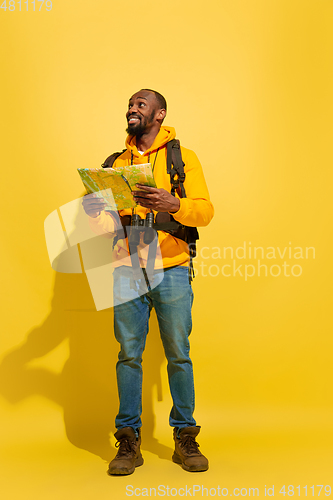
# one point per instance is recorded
(133, 109)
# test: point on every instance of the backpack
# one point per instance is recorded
(163, 220)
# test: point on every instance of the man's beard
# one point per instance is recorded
(140, 128)
(137, 129)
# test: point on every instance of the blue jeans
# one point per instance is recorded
(172, 299)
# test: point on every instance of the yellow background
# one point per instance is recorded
(249, 89)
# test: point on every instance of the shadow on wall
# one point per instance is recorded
(86, 388)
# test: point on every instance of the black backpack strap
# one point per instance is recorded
(175, 167)
(111, 159)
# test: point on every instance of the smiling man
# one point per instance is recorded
(189, 205)
(138, 121)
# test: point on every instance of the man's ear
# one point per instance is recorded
(161, 115)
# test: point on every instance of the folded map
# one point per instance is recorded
(115, 185)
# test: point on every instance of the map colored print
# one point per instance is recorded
(115, 185)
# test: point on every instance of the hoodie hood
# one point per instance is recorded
(164, 135)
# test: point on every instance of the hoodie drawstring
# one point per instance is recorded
(148, 158)
(154, 160)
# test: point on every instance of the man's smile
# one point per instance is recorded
(133, 119)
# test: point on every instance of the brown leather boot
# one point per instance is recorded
(129, 454)
(187, 450)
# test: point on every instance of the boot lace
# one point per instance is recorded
(126, 447)
(190, 445)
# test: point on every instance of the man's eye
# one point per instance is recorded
(142, 104)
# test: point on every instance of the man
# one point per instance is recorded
(172, 297)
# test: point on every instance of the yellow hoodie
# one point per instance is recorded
(195, 210)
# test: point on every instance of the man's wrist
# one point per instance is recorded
(96, 214)
(176, 208)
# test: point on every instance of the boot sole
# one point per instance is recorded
(177, 460)
(125, 472)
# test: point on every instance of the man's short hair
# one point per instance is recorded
(159, 98)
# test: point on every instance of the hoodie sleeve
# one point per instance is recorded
(104, 223)
(196, 209)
